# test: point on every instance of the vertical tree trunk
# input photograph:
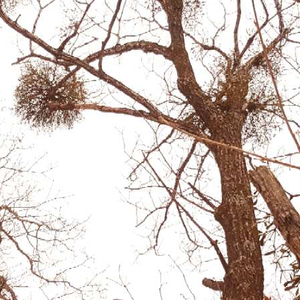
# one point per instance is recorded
(244, 277)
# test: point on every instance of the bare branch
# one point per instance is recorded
(144, 46)
(181, 169)
(180, 126)
(76, 28)
(251, 38)
(213, 284)
(212, 242)
(110, 27)
(202, 197)
(265, 53)
(287, 219)
(236, 32)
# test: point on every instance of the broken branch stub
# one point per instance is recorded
(286, 217)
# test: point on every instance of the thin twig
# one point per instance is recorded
(110, 27)
(280, 104)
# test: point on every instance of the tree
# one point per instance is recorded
(217, 99)
(37, 242)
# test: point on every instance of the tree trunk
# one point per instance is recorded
(286, 218)
(244, 277)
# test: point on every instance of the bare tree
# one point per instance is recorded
(212, 69)
(37, 243)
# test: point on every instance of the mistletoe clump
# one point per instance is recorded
(264, 115)
(46, 96)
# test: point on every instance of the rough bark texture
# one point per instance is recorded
(244, 277)
(286, 218)
(213, 284)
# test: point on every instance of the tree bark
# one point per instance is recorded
(213, 284)
(244, 276)
(286, 218)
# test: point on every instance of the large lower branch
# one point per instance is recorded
(186, 81)
(159, 118)
(286, 218)
(176, 124)
(144, 46)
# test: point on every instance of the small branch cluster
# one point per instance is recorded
(37, 242)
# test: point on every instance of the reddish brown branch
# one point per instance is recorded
(212, 242)
(148, 153)
(236, 32)
(144, 46)
(251, 39)
(202, 196)
(175, 124)
(76, 28)
(265, 54)
(79, 63)
(286, 217)
(213, 284)
(4, 286)
(181, 169)
(186, 79)
(110, 27)
(167, 207)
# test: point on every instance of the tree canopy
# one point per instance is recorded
(216, 81)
